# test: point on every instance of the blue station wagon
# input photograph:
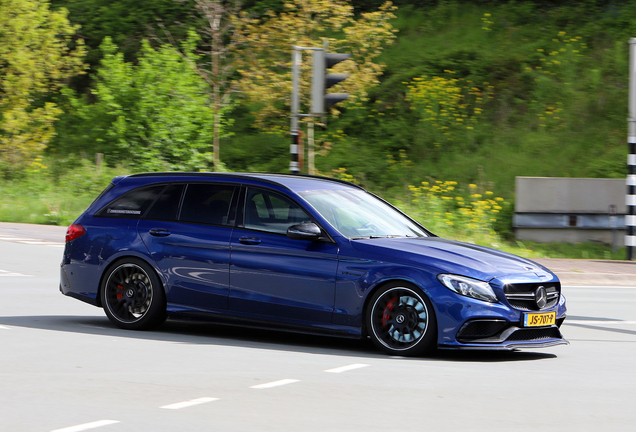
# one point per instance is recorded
(300, 253)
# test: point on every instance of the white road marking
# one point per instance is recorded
(30, 241)
(274, 384)
(87, 426)
(7, 273)
(190, 403)
(608, 287)
(347, 368)
(598, 322)
(37, 242)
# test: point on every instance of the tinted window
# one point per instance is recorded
(269, 211)
(207, 203)
(166, 207)
(133, 204)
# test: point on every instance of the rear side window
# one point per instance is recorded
(207, 203)
(166, 207)
(133, 204)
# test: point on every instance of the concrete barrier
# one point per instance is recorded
(572, 210)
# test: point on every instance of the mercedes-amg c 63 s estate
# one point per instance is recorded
(304, 254)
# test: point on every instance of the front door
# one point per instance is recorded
(274, 276)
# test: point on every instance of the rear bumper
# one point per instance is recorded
(66, 289)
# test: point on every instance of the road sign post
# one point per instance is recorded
(630, 201)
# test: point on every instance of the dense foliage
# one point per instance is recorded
(473, 92)
(155, 115)
(35, 59)
(552, 82)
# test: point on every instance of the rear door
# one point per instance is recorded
(187, 232)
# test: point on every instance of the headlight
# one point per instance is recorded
(468, 287)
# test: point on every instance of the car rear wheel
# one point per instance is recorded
(132, 295)
(400, 320)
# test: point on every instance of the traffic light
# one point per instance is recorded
(321, 81)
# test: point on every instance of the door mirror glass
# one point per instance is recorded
(304, 231)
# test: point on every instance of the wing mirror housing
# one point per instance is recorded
(304, 231)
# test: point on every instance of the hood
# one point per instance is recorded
(453, 257)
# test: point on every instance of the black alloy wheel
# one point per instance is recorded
(401, 321)
(132, 295)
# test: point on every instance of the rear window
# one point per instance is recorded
(133, 204)
(166, 207)
(207, 203)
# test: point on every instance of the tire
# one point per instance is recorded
(400, 320)
(132, 295)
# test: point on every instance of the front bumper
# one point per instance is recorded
(466, 323)
(506, 346)
(502, 335)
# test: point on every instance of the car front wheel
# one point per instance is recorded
(400, 320)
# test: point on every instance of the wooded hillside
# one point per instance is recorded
(473, 92)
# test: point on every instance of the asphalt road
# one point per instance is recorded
(63, 366)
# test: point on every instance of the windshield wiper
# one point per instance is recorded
(379, 236)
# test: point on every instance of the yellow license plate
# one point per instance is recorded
(539, 319)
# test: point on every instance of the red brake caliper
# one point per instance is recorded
(120, 294)
(386, 314)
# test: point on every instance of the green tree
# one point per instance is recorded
(127, 22)
(153, 116)
(35, 61)
(265, 46)
(217, 67)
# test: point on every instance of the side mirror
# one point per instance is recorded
(304, 231)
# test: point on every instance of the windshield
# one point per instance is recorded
(357, 214)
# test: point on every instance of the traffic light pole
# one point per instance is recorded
(320, 100)
(295, 104)
(294, 166)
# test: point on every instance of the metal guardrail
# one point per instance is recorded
(569, 221)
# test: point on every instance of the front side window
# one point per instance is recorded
(133, 204)
(271, 212)
(207, 203)
(358, 214)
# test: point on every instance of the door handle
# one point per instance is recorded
(159, 232)
(249, 240)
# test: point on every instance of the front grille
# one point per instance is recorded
(524, 334)
(481, 329)
(521, 296)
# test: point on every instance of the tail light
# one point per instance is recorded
(74, 231)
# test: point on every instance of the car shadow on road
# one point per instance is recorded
(202, 333)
